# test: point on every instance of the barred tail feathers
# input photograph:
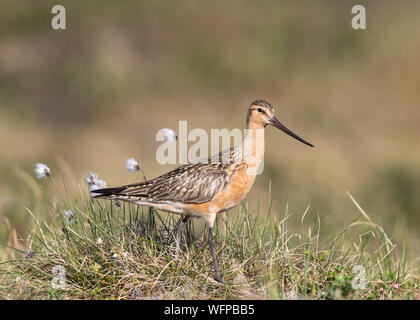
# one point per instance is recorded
(107, 193)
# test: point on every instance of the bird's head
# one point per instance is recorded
(261, 114)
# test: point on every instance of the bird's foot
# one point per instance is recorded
(219, 279)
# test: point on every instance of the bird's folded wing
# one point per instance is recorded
(192, 183)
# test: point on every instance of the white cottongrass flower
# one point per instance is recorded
(68, 217)
(170, 135)
(99, 184)
(91, 178)
(132, 165)
(42, 171)
(94, 183)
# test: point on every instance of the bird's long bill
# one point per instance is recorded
(276, 123)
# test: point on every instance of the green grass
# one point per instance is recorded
(260, 257)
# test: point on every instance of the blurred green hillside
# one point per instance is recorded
(86, 98)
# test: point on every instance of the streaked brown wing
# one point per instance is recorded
(191, 183)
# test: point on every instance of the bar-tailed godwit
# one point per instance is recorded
(207, 188)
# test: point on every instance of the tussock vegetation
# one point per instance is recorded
(127, 252)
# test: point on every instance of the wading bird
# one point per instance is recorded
(206, 188)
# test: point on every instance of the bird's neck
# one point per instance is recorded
(253, 145)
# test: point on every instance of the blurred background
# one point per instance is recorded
(87, 98)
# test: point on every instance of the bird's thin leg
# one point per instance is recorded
(213, 253)
(179, 230)
(189, 234)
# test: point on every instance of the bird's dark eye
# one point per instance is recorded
(260, 110)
